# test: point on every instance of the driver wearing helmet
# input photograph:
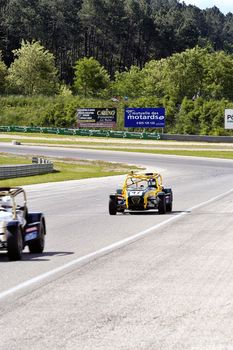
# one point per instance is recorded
(6, 203)
(152, 183)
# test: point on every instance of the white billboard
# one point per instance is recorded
(228, 118)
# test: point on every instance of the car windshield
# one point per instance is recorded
(136, 184)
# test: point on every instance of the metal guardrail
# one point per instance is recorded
(197, 138)
(13, 171)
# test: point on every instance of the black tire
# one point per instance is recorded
(112, 207)
(169, 207)
(15, 244)
(162, 205)
(37, 246)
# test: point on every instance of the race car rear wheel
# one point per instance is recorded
(112, 207)
(14, 244)
(37, 246)
(162, 205)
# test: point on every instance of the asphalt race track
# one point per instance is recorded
(122, 282)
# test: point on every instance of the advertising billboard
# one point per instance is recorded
(228, 118)
(96, 118)
(144, 117)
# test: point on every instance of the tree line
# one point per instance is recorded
(102, 53)
(117, 33)
(193, 73)
(195, 86)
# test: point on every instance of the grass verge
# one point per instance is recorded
(65, 169)
(142, 146)
(191, 153)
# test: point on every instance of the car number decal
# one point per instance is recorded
(136, 193)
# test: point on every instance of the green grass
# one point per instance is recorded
(8, 159)
(191, 153)
(64, 170)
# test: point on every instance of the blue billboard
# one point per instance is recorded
(144, 117)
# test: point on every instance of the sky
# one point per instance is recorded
(224, 6)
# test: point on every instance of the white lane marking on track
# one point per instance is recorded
(105, 250)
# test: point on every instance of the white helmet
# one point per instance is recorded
(6, 202)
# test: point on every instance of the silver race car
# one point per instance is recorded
(18, 227)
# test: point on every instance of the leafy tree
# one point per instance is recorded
(117, 33)
(19, 21)
(178, 76)
(92, 17)
(153, 75)
(128, 83)
(228, 33)
(192, 29)
(184, 74)
(60, 32)
(90, 77)
(202, 117)
(217, 120)
(33, 71)
(141, 33)
(218, 76)
(215, 24)
(104, 30)
(3, 74)
(167, 17)
(53, 23)
(188, 121)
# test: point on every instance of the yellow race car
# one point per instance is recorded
(141, 192)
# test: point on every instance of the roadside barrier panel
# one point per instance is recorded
(66, 131)
(4, 128)
(76, 131)
(150, 136)
(133, 135)
(13, 171)
(34, 129)
(118, 134)
(19, 128)
(99, 133)
(83, 132)
(49, 130)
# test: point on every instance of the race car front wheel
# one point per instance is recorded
(112, 207)
(169, 207)
(14, 244)
(162, 205)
